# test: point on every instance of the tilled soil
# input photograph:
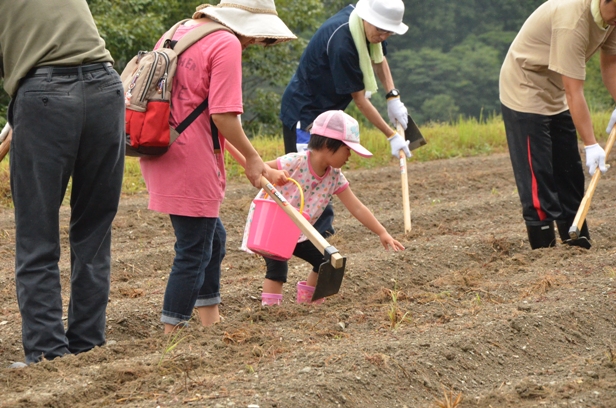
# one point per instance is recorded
(466, 312)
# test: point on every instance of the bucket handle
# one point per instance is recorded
(301, 195)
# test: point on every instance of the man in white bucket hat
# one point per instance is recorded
(384, 14)
(337, 67)
(188, 181)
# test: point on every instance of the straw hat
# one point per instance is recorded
(249, 18)
(384, 14)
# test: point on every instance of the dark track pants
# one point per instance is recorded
(546, 164)
(65, 126)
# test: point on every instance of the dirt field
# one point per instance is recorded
(466, 310)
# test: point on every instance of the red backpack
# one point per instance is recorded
(147, 81)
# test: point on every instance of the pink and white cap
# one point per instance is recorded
(336, 124)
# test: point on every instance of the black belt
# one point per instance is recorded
(74, 70)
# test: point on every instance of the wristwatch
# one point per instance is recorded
(394, 93)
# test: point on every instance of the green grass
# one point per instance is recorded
(133, 182)
(467, 137)
(464, 138)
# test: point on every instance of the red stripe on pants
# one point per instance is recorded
(535, 193)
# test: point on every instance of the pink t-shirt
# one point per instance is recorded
(318, 190)
(190, 179)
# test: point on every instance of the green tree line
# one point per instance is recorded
(446, 65)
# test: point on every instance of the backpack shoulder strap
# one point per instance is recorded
(196, 34)
(169, 34)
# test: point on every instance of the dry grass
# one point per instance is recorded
(449, 401)
(500, 245)
(610, 272)
(429, 297)
(610, 354)
(378, 359)
(236, 337)
(6, 199)
(545, 284)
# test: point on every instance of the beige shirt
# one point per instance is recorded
(557, 39)
(35, 33)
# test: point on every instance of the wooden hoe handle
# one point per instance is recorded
(309, 231)
(406, 205)
(5, 140)
(580, 217)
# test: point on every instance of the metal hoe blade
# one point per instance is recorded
(330, 278)
(413, 135)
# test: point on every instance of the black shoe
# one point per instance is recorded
(541, 236)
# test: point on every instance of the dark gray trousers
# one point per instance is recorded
(65, 126)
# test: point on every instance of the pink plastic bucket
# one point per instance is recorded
(272, 233)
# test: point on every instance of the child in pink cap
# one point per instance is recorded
(332, 137)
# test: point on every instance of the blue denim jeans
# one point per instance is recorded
(65, 127)
(195, 275)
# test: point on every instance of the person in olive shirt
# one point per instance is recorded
(543, 106)
(67, 115)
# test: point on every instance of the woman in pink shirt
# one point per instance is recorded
(188, 182)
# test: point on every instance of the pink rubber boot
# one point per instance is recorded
(271, 299)
(304, 294)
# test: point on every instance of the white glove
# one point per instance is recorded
(398, 143)
(397, 112)
(595, 155)
(610, 125)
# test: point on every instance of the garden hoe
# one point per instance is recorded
(416, 139)
(5, 140)
(413, 135)
(331, 271)
(580, 217)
